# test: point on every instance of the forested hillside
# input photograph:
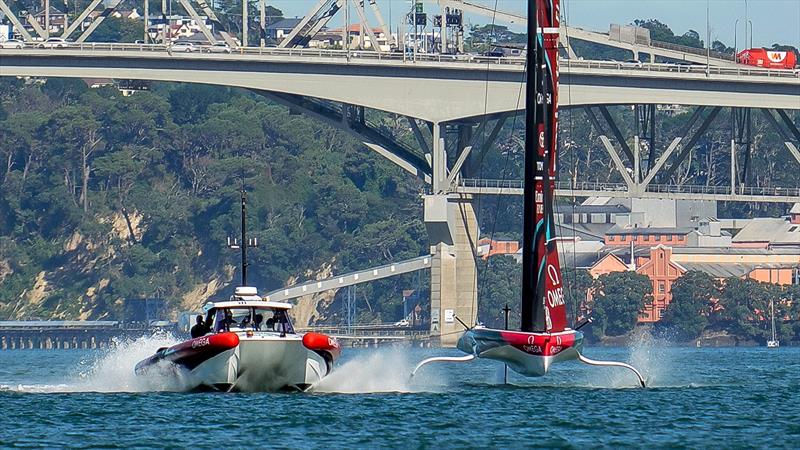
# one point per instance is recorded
(105, 198)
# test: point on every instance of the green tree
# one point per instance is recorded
(687, 313)
(618, 300)
(499, 284)
(577, 283)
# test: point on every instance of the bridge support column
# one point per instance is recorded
(453, 230)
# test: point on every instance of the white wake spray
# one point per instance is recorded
(380, 370)
(112, 370)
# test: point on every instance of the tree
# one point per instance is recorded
(618, 301)
(744, 308)
(577, 282)
(118, 29)
(687, 313)
(499, 284)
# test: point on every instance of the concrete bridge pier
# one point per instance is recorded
(453, 230)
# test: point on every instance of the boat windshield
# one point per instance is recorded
(250, 318)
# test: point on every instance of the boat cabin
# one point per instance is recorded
(247, 311)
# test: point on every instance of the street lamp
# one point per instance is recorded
(735, 36)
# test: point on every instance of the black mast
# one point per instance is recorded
(244, 237)
(534, 166)
(243, 243)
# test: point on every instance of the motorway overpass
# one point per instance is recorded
(434, 88)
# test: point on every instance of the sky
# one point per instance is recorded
(773, 20)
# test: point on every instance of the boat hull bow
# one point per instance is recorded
(529, 354)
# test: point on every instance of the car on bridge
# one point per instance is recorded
(179, 46)
(217, 47)
(12, 43)
(54, 42)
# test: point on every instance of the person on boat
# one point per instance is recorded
(257, 319)
(199, 328)
(228, 321)
(270, 324)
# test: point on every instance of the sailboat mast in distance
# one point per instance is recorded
(543, 308)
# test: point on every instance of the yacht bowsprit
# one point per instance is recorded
(545, 337)
(247, 344)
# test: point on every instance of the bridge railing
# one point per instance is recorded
(740, 70)
(360, 55)
(763, 191)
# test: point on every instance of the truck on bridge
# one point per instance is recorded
(768, 59)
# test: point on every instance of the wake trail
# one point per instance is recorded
(380, 371)
(112, 371)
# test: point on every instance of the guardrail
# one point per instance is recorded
(772, 191)
(359, 55)
(693, 50)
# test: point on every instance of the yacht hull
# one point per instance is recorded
(529, 354)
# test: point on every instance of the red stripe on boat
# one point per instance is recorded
(538, 343)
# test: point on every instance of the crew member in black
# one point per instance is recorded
(199, 329)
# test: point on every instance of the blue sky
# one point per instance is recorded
(773, 20)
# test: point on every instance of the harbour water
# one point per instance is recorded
(698, 397)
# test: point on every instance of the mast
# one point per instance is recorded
(244, 237)
(543, 308)
(243, 243)
(532, 160)
(772, 311)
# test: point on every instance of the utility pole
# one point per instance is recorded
(244, 23)
(146, 15)
(263, 18)
(346, 28)
(708, 34)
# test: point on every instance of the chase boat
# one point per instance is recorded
(249, 345)
(246, 344)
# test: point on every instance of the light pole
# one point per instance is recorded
(750, 22)
(735, 36)
(708, 34)
(745, 22)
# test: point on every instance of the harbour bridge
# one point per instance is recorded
(435, 92)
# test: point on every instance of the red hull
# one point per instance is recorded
(191, 353)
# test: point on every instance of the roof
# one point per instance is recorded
(260, 304)
(585, 231)
(768, 229)
(725, 270)
(731, 251)
(719, 270)
(284, 24)
(578, 260)
(616, 230)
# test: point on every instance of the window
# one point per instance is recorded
(658, 238)
(661, 287)
(611, 239)
(681, 238)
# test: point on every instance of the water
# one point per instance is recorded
(698, 398)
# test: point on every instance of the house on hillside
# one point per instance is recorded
(281, 28)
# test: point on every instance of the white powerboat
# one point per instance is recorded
(249, 345)
(246, 344)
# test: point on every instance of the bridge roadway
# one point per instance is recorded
(435, 88)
